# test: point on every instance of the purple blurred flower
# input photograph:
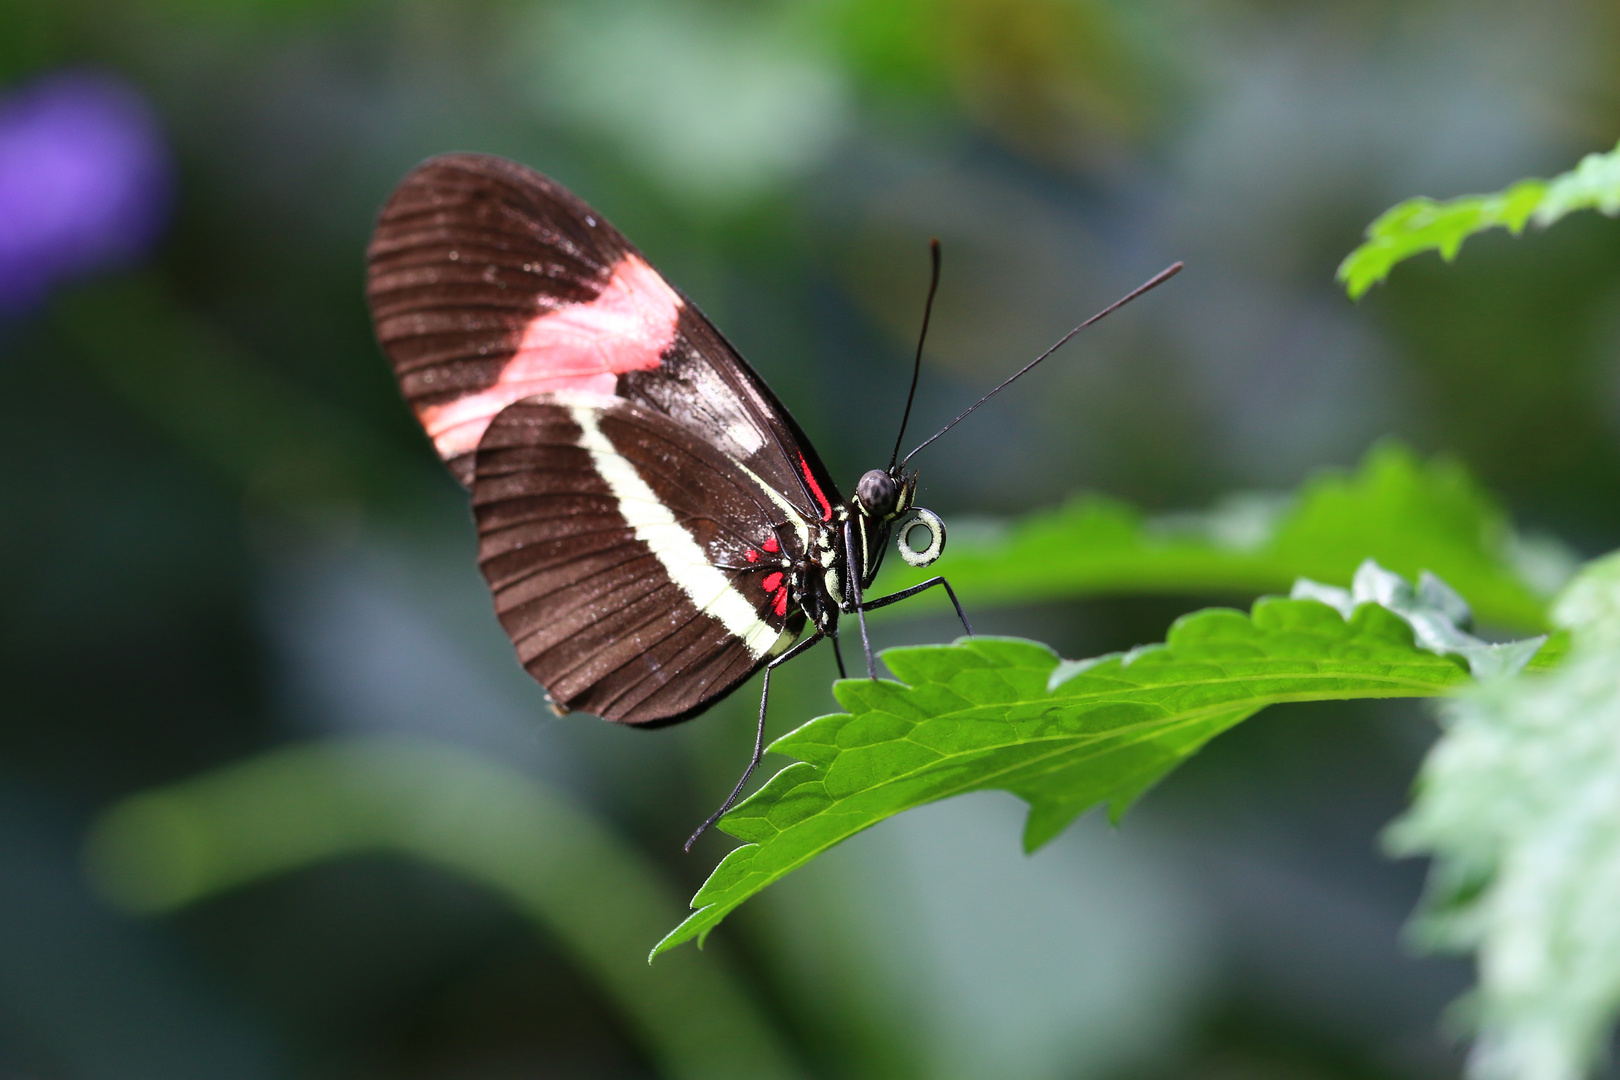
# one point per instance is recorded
(85, 182)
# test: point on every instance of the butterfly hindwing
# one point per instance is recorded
(638, 570)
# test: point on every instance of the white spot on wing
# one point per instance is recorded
(679, 554)
(745, 435)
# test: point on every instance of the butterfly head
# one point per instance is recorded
(885, 502)
(883, 495)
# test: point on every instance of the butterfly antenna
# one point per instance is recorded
(916, 365)
(1158, 279)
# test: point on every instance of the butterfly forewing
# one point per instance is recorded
(637, 569)
(490, 283)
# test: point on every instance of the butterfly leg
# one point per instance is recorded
(839, 656)
(759, 737)
(866, 642)
(852, 590)
(885, 601)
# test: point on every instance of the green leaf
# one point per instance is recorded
(1064, 736)
(1519, 803)
(1419, 225)
(1408, 514)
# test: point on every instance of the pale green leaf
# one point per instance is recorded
(1437, 615)
(1419, 225)
(1519, 802)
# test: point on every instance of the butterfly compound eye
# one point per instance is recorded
(909, 537)
(878, 494)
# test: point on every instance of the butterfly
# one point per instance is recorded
(653, 524)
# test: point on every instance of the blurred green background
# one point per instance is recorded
(224, 538)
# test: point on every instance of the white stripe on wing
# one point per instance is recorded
(679, 554)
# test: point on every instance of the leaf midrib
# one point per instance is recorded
(1122, 735)
(1103, 696)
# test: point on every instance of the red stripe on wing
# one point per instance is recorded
(580, 347)
(815, 488)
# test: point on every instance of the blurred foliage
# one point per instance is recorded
(258, 430)
(721, 104)
(1052, 77)
(1061, 735)
(305, 804)
(1418, 225)
(1518, 803)
(1409, 515)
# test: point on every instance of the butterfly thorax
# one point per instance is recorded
(857, 535)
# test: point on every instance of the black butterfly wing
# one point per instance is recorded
(489, 283)
(639, 571)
